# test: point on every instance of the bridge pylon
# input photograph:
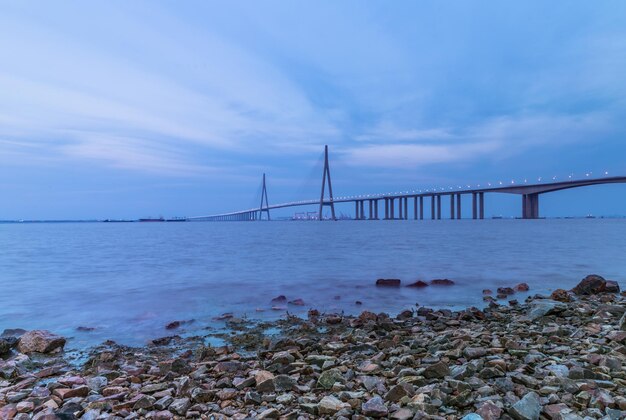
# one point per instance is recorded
(326, 176)
(264, 208)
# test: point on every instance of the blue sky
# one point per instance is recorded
(130, 109)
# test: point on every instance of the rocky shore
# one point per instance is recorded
(549, 357)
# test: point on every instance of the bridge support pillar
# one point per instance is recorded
(362, 210)
(439, 207)
(376, 209)
(415, 208)
(421, 208)
(406, 208)
(432, 207)
(452, 213)
(530, 206)
(474, 207)
(458, 206)
(481, 198)
(370, 204)
(400, 205)
(386, 209)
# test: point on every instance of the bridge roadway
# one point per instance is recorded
(529, 192)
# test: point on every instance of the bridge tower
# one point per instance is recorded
(263, 208)
(330, 188)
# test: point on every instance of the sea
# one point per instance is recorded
(125, 282)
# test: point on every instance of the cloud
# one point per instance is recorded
(495, 138)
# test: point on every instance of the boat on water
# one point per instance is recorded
(151, 219)
(176, 219)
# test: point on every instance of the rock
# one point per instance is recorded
(330, 405)
(328, 378)
(40, 341)
(528, 408)
(297, 302)
(560, 295)
(590, 285)
(487, 292)
(474, 352)
(522, 287)
(506, 291)
(388, 282)
(5, 346)
(437, 371)
(543, 307)
(180, 406)
(375, 407)
(284, 383)
(418, 283)
(488, 410)
(622, 323)
(270, 413)
(442, 282)
(406, 314)
(396, 393)
(172, 325)
(279, 299)
(611, 287)
(472, 416)
(264, 381)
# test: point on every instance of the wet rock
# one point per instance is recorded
(388, 283)
(442, 282)
(528, 408)
(5, 346)
(40, 341)
(487, 292)
(418, 284)
(560, 295)
(611, 287)
(279, 299)
(506, 291)
(590, 285)
(297, 302)
(375, 407)
(522, 287)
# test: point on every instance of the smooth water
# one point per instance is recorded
(128, 280)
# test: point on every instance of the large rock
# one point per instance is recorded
(40, 341)
(5, 346)
(543, 307)
(442, 282)
(528, 408)
(590, 285)
(622, 323)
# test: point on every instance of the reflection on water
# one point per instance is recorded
(129, 280)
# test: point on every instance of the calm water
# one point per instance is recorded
(129, 280)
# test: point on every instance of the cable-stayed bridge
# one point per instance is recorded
(395, 206)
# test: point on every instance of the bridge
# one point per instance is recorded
(396, 205)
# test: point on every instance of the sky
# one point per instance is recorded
(117, 109)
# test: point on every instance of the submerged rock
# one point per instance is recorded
(442, 282)
(418, 283)
(388, 282)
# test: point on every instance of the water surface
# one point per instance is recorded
(129, 280)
